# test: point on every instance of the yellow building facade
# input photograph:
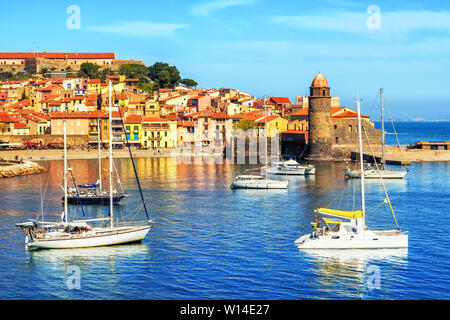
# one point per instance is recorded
(158, 133)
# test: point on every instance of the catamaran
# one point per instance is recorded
(257, 181)
(347, 229)
(372, 173)
(67, 234)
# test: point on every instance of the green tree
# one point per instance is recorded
(164, 75)
(89, 70)
(188, 82)
(149, 87)
(135, 71)
(244, 125)
(106, 72)
(164, 79)
(4, 76)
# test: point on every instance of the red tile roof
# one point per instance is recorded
(70, 115)
(333, 112)
(302, 112)
(268, 119)
(56, 55)
(280, 100)
(186, 123)
(98, 114)
(133, 119)
(349, 114)
(172, 117)
(20, 125)
(220, 115)
(148, 119)
(8, 119)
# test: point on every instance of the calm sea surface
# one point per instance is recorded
(412, 132)
(211, 242)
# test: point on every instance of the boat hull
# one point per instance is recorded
(382, 241)
(121, 236)
(287, 172)
(260, 184)
(93, 200)
(376, 175)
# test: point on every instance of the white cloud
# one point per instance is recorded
(356, 22)
(139, 29)
(204, 8)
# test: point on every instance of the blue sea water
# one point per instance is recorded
(411, 132)
(211, 242)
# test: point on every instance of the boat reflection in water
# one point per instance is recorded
(352, 273)
(90, 255)
(113, 272)
(104, 260)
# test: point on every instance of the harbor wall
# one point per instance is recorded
(72, 140)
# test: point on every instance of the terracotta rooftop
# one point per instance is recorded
(280, 100)
(56, 55)
(133, 119)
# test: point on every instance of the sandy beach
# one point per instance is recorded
(54, 154)
(392, 153)
(417, 155)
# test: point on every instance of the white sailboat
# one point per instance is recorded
(94, 193)
(68, 234)
(290, 168)
(373, 173)
(347, 229)
(258, 181)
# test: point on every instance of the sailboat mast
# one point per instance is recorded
(66, 218)
(99, 155)
(110, 158)
(265, 132)
(382, 127)
(361, 157)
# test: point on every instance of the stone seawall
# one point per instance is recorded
(72, 140)
(10, 169)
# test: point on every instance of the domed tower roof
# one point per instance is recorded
(320, 81)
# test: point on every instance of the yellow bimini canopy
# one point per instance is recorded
(341, 214)
(331, 221)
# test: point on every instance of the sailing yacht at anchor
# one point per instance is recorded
(350, 231)
(68, 234)
(290, 168)
(94, 193)
(259, 181)
(372, 173)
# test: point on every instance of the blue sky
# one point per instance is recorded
(264, 47)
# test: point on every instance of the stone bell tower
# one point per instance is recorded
(320, 131)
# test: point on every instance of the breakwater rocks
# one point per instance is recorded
(10, 169)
